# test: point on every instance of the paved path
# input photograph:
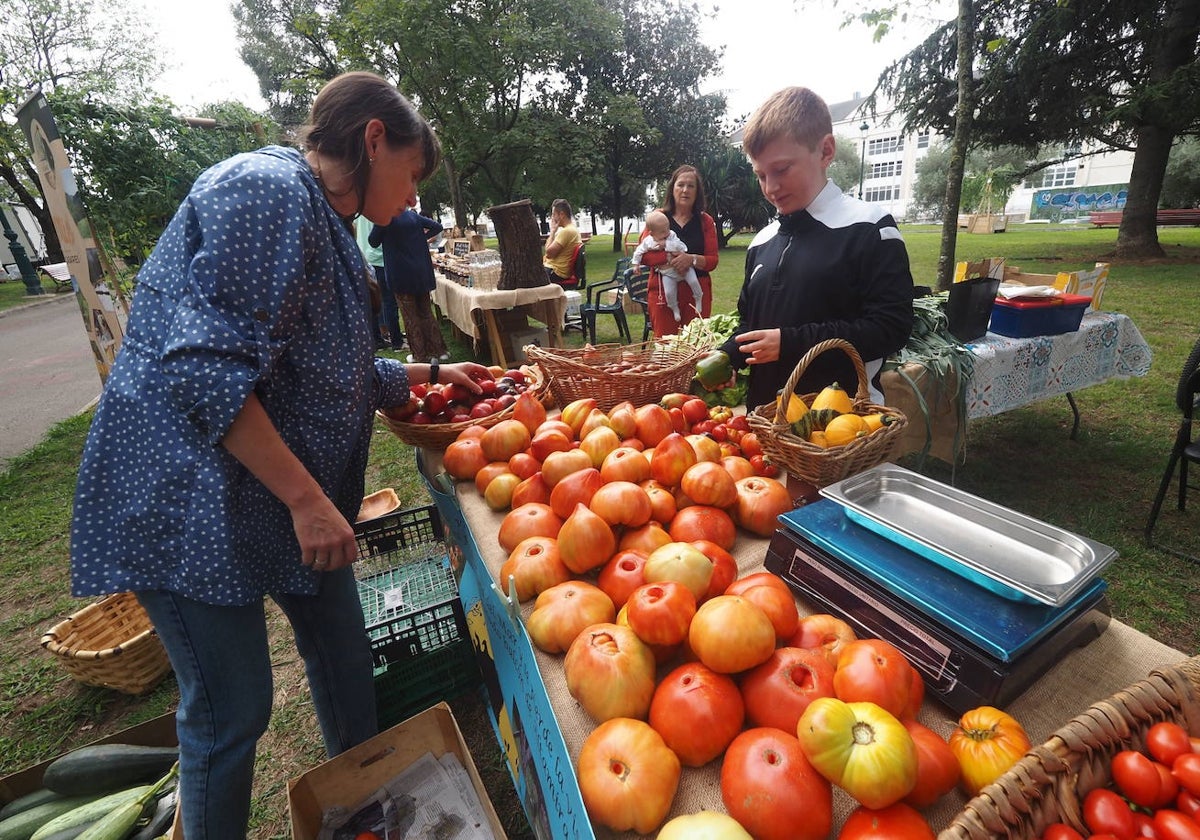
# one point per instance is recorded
(47, 371)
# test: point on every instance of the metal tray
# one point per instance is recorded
(1007, 552)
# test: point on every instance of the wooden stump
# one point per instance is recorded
(520, 246)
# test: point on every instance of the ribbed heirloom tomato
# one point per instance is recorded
(627, 776)
(987, 742)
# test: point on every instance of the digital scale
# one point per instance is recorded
(972, 646)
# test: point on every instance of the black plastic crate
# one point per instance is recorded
(413, 634)
(403, 689)
(399, 529)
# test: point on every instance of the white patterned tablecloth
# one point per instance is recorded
(1012, 372)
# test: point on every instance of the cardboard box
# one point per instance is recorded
(530, 335)
(351, 777)
(1087, 283)
(158, 732)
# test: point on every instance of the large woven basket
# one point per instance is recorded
(110, 643)
(1049, 784)
(818, 465)
(441, 435)
(613, 373)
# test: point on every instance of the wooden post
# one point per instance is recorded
(520, 246)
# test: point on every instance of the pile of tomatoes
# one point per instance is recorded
(1154, 794)
(450, 402)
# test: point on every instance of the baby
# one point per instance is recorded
(660, 237)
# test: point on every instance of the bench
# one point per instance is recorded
(1112, 218)
(59, 275)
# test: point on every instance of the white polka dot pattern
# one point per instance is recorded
(255, 286)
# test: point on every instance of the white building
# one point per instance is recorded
(1067, 191)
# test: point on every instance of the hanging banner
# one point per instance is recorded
(95, 290)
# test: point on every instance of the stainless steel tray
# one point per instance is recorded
(1007, 552)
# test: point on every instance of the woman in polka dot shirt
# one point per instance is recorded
(227, 456)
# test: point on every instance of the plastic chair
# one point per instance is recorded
(614, 288)
(637, 286)
(1185, 450)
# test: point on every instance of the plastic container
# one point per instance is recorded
(1019, 318)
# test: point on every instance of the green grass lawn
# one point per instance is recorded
(1099, 485)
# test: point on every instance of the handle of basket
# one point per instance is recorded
(860, 396)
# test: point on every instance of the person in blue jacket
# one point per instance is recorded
(409, 270)
(226, 459)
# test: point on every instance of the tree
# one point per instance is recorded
(1121, 73)
(52, 45)
(1181, 186)
(998, 169)
(645, 95)
(846, 169)
(734, 199)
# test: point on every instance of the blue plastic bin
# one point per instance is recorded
(1019, 318)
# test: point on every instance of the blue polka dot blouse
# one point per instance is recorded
(255, 286)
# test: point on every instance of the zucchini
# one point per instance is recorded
(21, 826)
(105, 767)
(90, 812)
(24, 803)
(120, 822)
(161, 820)
(72, 832)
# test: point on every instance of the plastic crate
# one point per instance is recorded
(403, 689)
(1026, 318)
(399, 529)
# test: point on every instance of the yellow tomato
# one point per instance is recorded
(987, 742)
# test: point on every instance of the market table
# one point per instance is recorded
(474, 310)
(541, 728)
(1014, 372)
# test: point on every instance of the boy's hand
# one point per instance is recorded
(759, 346)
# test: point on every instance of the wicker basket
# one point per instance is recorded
(1049, 784)
(577, 373)
(441, 435)
(110, 643)
(817, 465)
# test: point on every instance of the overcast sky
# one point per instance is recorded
(769, 44)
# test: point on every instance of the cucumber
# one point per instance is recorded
(160, 820)
(119, 823)
(91, 812)
(24, 803)
(22, 825)
(105, 767)
(70, 833)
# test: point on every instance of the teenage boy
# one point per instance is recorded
(830, 266)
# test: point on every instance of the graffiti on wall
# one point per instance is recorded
(1056, 205)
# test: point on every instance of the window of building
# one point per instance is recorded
(1062, 175)
(885, 145)
(923, 140)
(881, 194)
(887, 169)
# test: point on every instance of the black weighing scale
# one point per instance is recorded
(972, 646)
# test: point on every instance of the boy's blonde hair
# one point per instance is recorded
(794, 112)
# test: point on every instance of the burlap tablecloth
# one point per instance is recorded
(459, 303)
(1120, 657)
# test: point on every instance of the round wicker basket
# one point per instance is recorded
(110, 643)
(818, 465)
(614, 373)
(1049, 784)
(441, 435)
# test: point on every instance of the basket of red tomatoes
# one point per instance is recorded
(1127, 767)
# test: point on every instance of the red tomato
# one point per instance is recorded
(730, 634)
(1060, 831)
(825, 632)
(778, 691)
(366, 835)
(1186, 770)
(1172, 825)
(627, 776)
(1143, 825)
(660, 612)
(1166, 741)
(895, 822)
(621, 575)
(1188, 804)
(760, 501)
(1140, 780)
(698, 712)
(873, 670)
(1107, 813)
(724, 567)
(937, 768)
(610, 671)
(769, 787)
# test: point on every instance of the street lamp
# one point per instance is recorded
(33, 286)
(862, 163)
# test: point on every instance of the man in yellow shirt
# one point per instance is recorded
(561, 243)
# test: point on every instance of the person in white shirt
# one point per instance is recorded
(660, 237)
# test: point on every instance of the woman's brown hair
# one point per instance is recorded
(339, 116)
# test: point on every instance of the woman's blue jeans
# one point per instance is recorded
(223, 665)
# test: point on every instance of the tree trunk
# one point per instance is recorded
(959, 145)
(38, 208)
(1137, 237)
(456, 199)
(520, 246)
